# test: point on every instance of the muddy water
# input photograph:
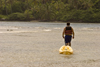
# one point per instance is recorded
(36, 44)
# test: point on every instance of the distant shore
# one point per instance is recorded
(45, 21)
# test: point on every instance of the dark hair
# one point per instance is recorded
(68, 23)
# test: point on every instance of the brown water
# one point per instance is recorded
(30, 44)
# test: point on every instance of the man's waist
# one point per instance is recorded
(69, 34)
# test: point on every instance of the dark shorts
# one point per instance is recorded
(68, 38)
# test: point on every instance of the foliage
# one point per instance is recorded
(51, 10)
(16, 16)
(28, 15)
(2, 17)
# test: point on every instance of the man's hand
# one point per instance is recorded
(73, 37)
(63, 36)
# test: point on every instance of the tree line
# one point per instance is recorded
(50, 10)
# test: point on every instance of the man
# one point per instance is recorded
(68, 34)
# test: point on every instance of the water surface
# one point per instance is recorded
(36, 44)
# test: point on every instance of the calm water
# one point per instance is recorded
(49, 24)
(38, 48)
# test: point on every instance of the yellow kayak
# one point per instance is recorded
(67, 50)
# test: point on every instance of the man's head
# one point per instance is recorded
(68, 24)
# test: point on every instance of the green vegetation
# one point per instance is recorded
(50, 10)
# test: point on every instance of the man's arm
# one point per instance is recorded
(73, 33)
(63, 33)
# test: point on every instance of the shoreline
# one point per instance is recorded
(46, 21)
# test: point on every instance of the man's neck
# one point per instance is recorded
(68, 25)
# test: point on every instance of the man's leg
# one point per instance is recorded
(70, 44)
(66, 44)
(70, 38)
